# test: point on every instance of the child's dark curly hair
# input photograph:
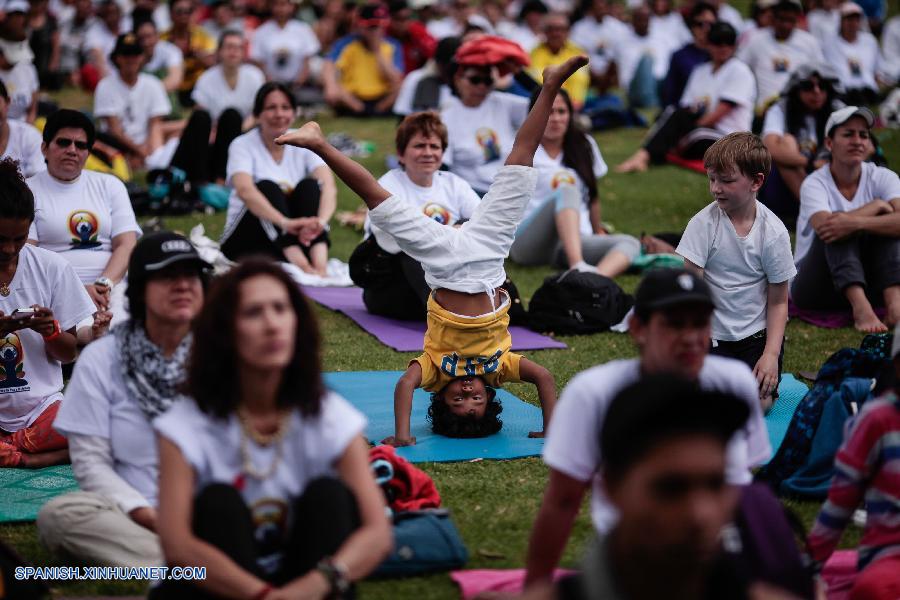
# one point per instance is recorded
(444, 422)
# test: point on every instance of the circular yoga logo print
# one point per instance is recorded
(562, 178)
(436, 212)
(84, 226)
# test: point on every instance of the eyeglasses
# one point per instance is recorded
(66, 142)
(810, 85)
(477, 80)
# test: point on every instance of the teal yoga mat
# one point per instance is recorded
(24, 491)
(790, 393)
(372, 392)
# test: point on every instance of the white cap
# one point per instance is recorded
(417, 4)
(16, 52)
(850, 8)
(841, 116)
(12, 6)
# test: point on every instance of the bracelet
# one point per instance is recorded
(57, 331)
(336, 574)
(261, 594)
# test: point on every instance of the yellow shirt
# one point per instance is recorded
(578, 84)
(200, 42)
(359, 72)
(460, 346)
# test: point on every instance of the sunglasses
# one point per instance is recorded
(478, 80)
(66, 142)
(808, 86)
(703, 24)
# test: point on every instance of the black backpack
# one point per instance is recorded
(574, 302)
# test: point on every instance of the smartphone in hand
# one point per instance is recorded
(22, 314)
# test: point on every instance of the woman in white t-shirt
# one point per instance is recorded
(282, 197)
(717, 100)
(848, 237)
(794, 133)
(482, 124)
(562, 225)
(283, 45)
(84, 216)
(19, 140)
(263, 454)
(393, 282)
(120, 384)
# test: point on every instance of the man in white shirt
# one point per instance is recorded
(855, 56)
(642, 60)
(773, 54)
(163, 59)
(599, 33)
(671, 327)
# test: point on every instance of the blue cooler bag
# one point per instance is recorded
(424, 542)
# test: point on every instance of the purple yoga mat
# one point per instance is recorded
(827, 319)
(405, 336)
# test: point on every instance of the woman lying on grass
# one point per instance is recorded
(467, 344)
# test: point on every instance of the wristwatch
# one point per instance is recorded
(104, 282)
(336, 575)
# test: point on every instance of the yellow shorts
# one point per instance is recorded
(460, 346)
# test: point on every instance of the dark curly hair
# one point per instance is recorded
(16, 199)
(444, 422)
(213, 371)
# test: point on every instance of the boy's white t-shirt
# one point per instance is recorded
(282, 51)
(448, 200)
(572, 445)
(24, 145)
(312, 447)
(21, 83)
(30, 381)
(599, 39)
(819, 193)
(97, 403)
(551, 174)
(855, 64)
(773, 61)
(480, 138)
(78, 220)
(733, 82)
(214, 94)
(738, 269)
(134, 106)
(166, 55)
(248, 154)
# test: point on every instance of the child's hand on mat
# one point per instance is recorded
(308, 136)
(535, 434)
(766, 373)
(399, 442)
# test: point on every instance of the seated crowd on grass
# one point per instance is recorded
(197, 398)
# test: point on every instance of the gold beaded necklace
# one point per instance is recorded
(264, 440)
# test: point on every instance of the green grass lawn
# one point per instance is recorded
(494, 503)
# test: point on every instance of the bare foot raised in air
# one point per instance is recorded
(557, 75)
(308, 136)
(865, 320)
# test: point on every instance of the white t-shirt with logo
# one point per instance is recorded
(21, 83)
(551, 174)
(312, 447)
(772, 61)
(819, 193)
(213, 93)
(30, 381)
(78, 220)
(134, 106)
(480, 138)
(732, 82)
(24, 145)
(166, 55)
(282, 51)
(738, 269)
(572, 446)
(599, 39)
(855, 64)
(630, 49)
(248, 154)
(448, 200)
(97, 403)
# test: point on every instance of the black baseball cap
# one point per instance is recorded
(721, 34)
(661, 406)
(127, 45)
(663, 288)
(157, 251)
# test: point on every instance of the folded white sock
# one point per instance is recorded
(584, 267)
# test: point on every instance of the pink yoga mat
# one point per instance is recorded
(405, 336)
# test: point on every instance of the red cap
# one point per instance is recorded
(491, 50)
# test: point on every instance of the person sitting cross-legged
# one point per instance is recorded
(467, 343)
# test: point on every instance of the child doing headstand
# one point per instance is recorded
(467, 344)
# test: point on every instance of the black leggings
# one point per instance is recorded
(403, 296)
(671, 130)
(252, 236)
(324, 517)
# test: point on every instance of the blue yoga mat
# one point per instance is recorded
(24, 491)
(372, 392)
(790, 393)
